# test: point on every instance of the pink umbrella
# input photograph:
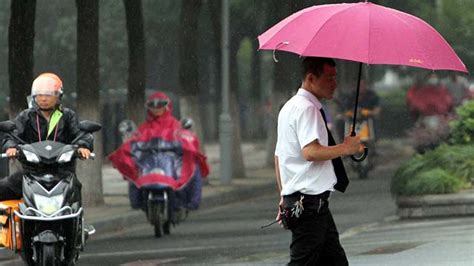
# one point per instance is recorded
(362, 32)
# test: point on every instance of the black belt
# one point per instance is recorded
(310, 202)
(325, 195)
(310, 198)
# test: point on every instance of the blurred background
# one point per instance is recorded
(182, 52)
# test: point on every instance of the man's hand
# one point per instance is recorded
(278, 213)
(84, 153)
(353, 145)
(11, 152)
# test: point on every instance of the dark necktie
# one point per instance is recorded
(342, 180)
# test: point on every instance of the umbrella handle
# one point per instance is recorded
(362, 157)
(276, 48)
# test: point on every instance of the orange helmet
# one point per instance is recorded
(47, 84)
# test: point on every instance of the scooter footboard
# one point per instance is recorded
(10, 236)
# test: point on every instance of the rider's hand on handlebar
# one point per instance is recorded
(353, 145)
(84, 153)
(11, 152)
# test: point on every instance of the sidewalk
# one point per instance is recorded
(437, 241)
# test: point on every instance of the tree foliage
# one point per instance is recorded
(462, 128)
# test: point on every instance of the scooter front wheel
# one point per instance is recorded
(155, 211)
(48, 255)
(167, 228)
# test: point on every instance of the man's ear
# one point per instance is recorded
(310, 77)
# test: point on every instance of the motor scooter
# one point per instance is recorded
(365, 130)
(157, 200)
(47, 225)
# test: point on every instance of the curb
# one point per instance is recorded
(436, 205)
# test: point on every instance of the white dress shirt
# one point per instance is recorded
(299, 123)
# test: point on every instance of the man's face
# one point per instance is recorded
(157, 111)
(325, 86)
(46, 102)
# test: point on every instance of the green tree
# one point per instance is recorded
(457, 22)
(113, 46)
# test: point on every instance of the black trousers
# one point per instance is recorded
(315, 239)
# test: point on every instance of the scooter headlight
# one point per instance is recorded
(48, 205)
(66, 157)
(31, 157)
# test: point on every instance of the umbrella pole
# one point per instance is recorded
(353, 133)
(356, 101)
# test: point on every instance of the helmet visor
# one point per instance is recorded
(46, 93)
(156, 103)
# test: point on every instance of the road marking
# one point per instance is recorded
(152, 262)
(152, 251)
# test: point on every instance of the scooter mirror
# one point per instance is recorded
(7, 126)
(89, 126)
(186, 123)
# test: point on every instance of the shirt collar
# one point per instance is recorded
(308, 95)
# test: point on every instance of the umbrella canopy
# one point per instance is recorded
(362, 32)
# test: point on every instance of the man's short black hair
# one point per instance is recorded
(315, 65)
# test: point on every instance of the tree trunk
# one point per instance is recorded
(136, 59)
(189, 90)
(21, 34)
(89, 172)
(238, 165)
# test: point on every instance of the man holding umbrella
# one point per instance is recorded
(362, 32)
(309, 168)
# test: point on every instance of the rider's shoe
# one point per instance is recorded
(89, 230)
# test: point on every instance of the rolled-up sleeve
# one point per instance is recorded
(309, 126)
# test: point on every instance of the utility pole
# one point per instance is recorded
(225, 121)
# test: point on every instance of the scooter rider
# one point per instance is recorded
(46, 119)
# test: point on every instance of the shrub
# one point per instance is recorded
(417, 176)
(462, 129)
(434, 181)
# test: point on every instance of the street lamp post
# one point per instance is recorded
(225, 121)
